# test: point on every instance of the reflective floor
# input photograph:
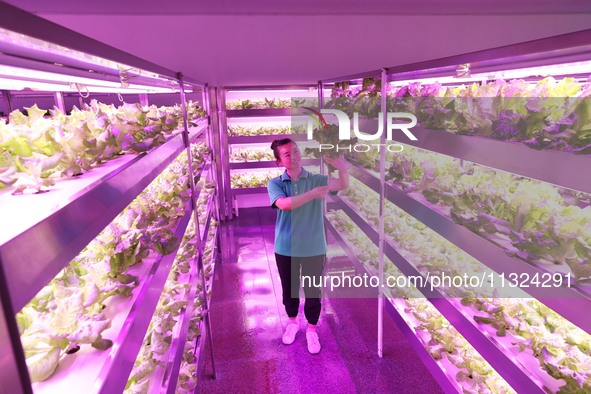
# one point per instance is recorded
(248, 320)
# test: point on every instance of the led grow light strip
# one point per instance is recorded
(14, 78)
(33, 76)
(11, 84)
(24, 41)
(43, 76)
(557, 69)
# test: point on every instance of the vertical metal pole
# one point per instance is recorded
(60, 103)
(210, 142)
(384, 91)
(215, 174)
(217, 131)
(320, 94)
(320, 106)
(225, 153)
(205, 106)
(144, 99)
(205, 310)
(14, 374)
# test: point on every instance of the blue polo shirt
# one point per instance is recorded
(299, 232)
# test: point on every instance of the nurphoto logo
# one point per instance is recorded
(344, 127)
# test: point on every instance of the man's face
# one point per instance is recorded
(289, 156)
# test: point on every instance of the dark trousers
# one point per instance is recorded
(290, 269)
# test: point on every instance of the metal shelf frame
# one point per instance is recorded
(249, 190)
(446, 382)
(114, 375)
(203, 338)
(272, 87)
(258, 139)
(354, 77)
(223, 157)
(263, 112)
(209, 216)
(62, 232)
(170, 373)
(559, 168)
(252, 165)
(563, 169)
(199, 133)
(486, 252)
(19, 21)
(194, 200)
(230, 208)
(178, 344)
(267, 164)
(569, 47)
(205, 334)
(74, 225)
(199, 354)
(488, 347)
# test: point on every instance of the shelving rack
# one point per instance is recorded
(254, 196)
(559, 168)
(75, 214)
(500, 357)
(34, 249)
(170, 372)
(204, 337)
(447, 384)
(518, 158)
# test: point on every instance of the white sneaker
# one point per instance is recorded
(290, 333)
(313, 342)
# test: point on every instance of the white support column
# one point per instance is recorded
(59, 101)
(200, 247)
(144, 99)
(384, 91)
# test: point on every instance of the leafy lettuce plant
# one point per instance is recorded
(36, 149)
(550, 114)
(69, 311)
(561, 348)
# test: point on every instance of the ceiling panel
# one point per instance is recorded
(259, 49)
(302, 7)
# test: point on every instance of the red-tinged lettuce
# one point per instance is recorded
(547, 115)
(342, 98)
(368, 102)
(508, 125)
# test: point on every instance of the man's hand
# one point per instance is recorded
(342, 182)
(320, 191)
(337, 162)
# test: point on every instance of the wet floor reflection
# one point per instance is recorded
(248, 319)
